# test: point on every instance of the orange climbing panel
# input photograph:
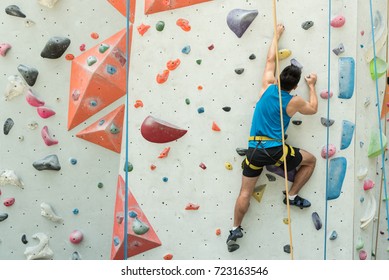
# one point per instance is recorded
(121, 6)
(98, 78)
(156, 6)
(106, 132)
(137, 244)
(385, 103)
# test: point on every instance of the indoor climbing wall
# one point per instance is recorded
(195, 73)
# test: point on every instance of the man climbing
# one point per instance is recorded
(265, 141)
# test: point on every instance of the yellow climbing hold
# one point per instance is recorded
(286, 221)
(228, 166)
(258, 192)
(284, 53)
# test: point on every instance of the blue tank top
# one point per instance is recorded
(266, 119)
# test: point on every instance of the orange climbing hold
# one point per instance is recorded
(142, 29)
(173, 64)
(164, 153)
(184, 24)
(215, 127)
(218, 232)
(161, 78)
(156, 6)
(69, 56)
(138, 103)
(200, 87)
(153, 167)
(191, 206)
(168, 257)
(94, 35)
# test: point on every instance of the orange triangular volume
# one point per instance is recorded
(106, 132)
(215, 127)
(98, 78)
(137, 244)
(156, 6)
(121, 6)
(385, 103)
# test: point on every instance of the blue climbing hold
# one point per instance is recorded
(346, 77)
(347, 134)
(337, 172)
(186, 49)
(111, 69)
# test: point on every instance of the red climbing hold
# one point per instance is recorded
(142, 29)
(368, 184)
(138, 103)
(159, 131)
(82, 47)
(218, 232)
(161, 78)
(184, 24)
(164, 153)
(173, 64)
(69, 56)
(168, 257)
(191, 206)
(211, 47)
(215, 127)
(9, 202)
(153, 167)
(202, 166)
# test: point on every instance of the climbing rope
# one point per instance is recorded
(379, 119)
(328, 127)
(282, 128)
(127, 102)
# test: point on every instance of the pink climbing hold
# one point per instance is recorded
(33, 100)
(4, 47)
(45, 112)
(338, 21)
(368, 184)
(362, 255)
(191, 206)
(76, 236)
(49, 141)
(331, 151)
(9, 202)
(324, 94)
(202, 166)
(82, 47)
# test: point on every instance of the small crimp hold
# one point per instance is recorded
(9, 177)
(94, 35)
(339, 49)
(284, 53)
(307, 24)
(142, 29)
(164, 153)
(287, 249)
(203, 166)
(173, 64)
(226, 109)
(297, 122)
(138, 104)
(184, 24)
(368, 184)
(161, 78)
(228, 166)
(252, 57)
(15, 87)
(186, 49)
(333, 235)
(168, 257)
(48, 3)
(103, 48)
(24, 239)
(91, 60)
(191, 206)
(211, 47)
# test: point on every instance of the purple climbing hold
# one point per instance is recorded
(294, 62)
(30, 74)
(239, 20)
(4, 47)
(55, 47)
(15, 11)
(316, 220)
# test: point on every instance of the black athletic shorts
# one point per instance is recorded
(261, 157)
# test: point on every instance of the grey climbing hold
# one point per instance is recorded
(241, 151)
(114, 129)
(339, 49)
(233, 247)
(8, 124)
(316, 220)
(252, 57)
(326, 122)
(55, 47)
(30, 74)
(297, 122)
(307, 24)
(24, 239)
(294, 62)
(270, 177)
(239, 20)
(239, 71)
(14, 10)
(334, 235)
(49, 162)
(287, 249)
(226, 109)
(76, 256)
(3, 216)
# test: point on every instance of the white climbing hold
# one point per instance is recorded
(40, 251)
(9, 177)
(48, 212)
(48, 3)
(370, 210)
(16, 86)
(362, 173)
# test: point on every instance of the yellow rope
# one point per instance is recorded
(282, 128)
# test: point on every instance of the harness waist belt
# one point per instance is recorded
(262, 138)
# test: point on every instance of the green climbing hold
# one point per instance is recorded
(187, 101)
(128, 167)
(375, 148)
(91, 60)
(198, 61)
(160, 25)
(100, 185)
(360, 244)
(139, 227)
(114, 129)
(103, 48)
(381, 68)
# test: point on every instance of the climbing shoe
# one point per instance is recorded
(234, 234)
(298, 201)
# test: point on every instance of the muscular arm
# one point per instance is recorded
(298, 104)
(268, 77)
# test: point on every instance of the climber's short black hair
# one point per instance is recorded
(290, 77)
